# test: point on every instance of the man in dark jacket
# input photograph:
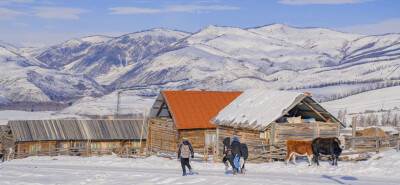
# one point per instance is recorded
(236, 154)
(227, 153)
(244, 154)
(184, 152)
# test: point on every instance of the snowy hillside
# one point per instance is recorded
(275, 56)
(26, 80)
(103, 58)
(327, 63)
(107, 105)
(372, 103)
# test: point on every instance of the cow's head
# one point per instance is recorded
(341, 141)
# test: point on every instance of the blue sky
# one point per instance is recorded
(45, 22)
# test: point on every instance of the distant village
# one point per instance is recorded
(263, 119)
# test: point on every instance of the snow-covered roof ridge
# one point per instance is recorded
(257, 107)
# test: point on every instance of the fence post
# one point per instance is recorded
(353, 133)
(272, 148)
(376, 140)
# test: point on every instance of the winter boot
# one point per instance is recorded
(184, 174)
(226, 166)
(190, 171)
(235, 172)
(243, 170)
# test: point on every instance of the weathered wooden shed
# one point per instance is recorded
(81, 137)
(266, 119)
(178, 114)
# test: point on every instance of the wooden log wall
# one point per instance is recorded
(254, 142)
(54, 148)
(196, 138)
(162, 136)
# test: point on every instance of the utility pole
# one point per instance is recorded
(118, 102)
(119, 91)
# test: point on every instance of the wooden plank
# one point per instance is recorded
(160, 108)
(273, 136)
(353, 132)
(376, 140)
(314, 110)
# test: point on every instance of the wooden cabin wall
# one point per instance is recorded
(48, 148)
(254, 142)
(196, 138)
(25, 149)
(162, 136)
(304, 131)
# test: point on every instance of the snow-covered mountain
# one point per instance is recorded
(103, 58)
(275, 56)
(23, 79)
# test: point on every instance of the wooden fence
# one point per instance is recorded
(125, 152)
(282, 132)
(366, 144)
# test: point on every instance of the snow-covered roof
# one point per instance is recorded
(258, 108)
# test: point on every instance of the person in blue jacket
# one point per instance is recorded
(236, 154)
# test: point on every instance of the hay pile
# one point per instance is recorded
(370, 132)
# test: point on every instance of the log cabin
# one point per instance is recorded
(178, 114)
(72, 137)
(265, 120)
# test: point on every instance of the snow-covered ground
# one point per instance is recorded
(6, 115)
(107, 105)
(380, 169)
(387, 98)
(375, 101)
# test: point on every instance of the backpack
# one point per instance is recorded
(244, 151)
(185, 151)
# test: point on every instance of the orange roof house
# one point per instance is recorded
(177, 114)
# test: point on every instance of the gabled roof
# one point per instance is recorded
(48, 130)
(258, 108)
(192, 109)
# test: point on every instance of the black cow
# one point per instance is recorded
(327, 146)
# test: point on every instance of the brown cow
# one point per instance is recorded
(298, 147)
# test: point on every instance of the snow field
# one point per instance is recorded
(380, 169)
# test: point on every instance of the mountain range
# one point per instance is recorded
(214, 58)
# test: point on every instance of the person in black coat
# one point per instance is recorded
(185, 151)
(236, 154)
(244, 154)
(227, 153)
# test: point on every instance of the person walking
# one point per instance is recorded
(244, 154)
(185, 151)
(236, 154)
(227, 153)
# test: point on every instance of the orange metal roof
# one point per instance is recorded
(194, 109)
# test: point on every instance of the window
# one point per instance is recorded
(135, 143)
(34, 148)
(210, 139)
